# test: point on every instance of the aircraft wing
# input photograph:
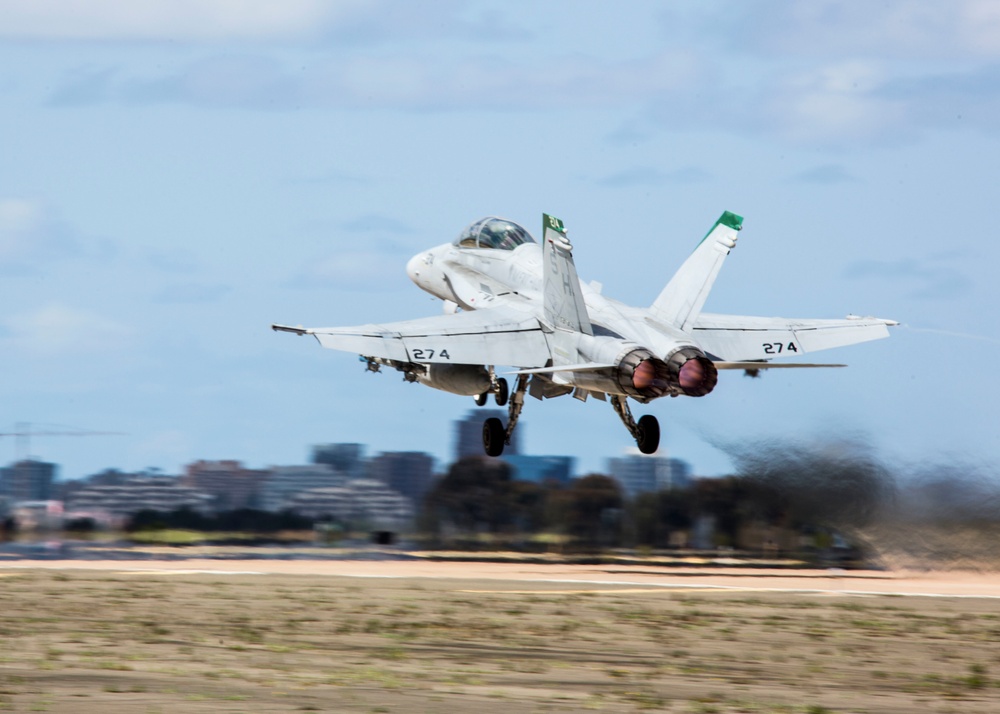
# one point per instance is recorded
(483, 337)
(736, 338)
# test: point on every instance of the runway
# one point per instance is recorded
(514, 577)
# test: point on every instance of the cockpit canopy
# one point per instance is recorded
(493, 232)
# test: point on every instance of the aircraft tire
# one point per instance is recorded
(481, 399)
(649, 434)
(503, 392)
(493, 436)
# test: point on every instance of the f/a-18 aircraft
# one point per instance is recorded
(510, 301)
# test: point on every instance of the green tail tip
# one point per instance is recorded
(731, 220)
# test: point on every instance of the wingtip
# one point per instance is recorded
(300, 330)
(884, 321)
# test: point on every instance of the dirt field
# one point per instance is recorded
(355, 636)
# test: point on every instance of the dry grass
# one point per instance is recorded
(104, 642)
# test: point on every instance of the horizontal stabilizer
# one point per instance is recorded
(738, 338)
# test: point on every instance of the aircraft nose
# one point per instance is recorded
(413, 268)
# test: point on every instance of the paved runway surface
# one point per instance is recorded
(512, 576)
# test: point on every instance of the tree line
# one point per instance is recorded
(479, 497)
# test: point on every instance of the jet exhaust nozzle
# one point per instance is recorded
(692, 371)
(642, 375)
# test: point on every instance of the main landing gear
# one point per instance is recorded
(646, 431)
(500, 390)
(495, 435)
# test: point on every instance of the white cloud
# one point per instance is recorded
(169, 20)
(345, 22)
(58, 329)
(400, 81)
(915, 29)
(30, 238)
(980, 24)
(838, 101)
(18, 220)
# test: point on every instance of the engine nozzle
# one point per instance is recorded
(692, 371)
(642, 375)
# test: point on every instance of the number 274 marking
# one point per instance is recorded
(776, 348)
(419, 354)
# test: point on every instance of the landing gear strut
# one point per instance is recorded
(495, 436)
(646, 432)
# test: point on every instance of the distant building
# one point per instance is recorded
(66, 490)
(359, 503)
(137, 492)
(28, 480)
(410, 473)
(680, 474)
(232, 485)
(348, 459)
(638, 473)
(540, 469)
(284, 482)
(469, 433)
(38, 515)
(114, 477)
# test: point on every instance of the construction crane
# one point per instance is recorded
(23, 433)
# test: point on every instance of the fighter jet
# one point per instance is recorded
(510, 301)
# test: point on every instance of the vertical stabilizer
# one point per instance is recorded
(681, 301)
(564, 307)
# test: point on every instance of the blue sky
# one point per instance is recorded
(176, 176)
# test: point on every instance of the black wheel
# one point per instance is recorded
(649, 434)
(493, 436)
(502, 393)
(481, 399)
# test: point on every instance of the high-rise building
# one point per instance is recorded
(348, 459)
(284, 482)
(469, 433)
(638, 473)
(28, 480)
(540, 469)
(232, 485)
(680, 474)
(410, 473)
